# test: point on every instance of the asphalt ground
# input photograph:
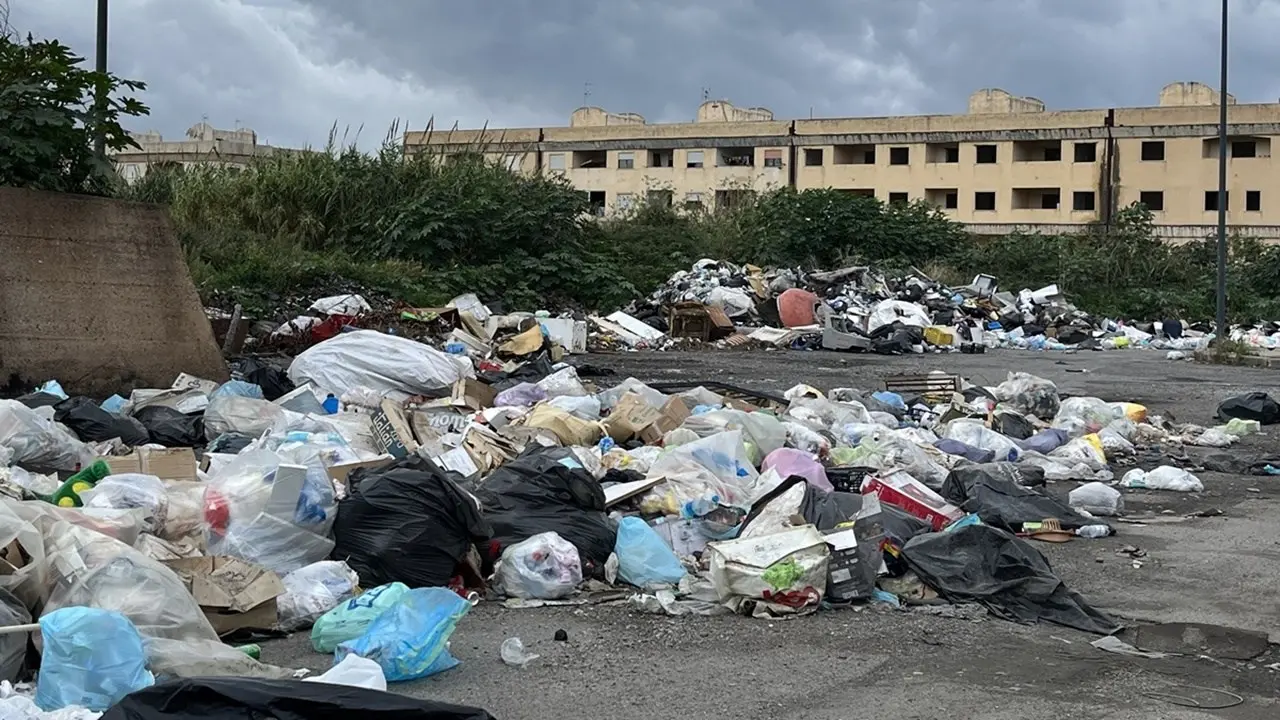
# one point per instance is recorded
(876, 662)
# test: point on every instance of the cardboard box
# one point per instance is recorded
(631, 415)
(166, 464)
(234, 594)
(569, 429)
(339, 473)
(472, 394)
(672, 416)
(898, 488)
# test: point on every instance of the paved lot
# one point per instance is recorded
(876, 662)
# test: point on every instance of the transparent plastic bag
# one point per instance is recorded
(348, 620)
(411, 639)
(563, 382)
(34, 439)
(1086, 450)
(975, 434)
(312, 591)
(522, 395)
(1084, 415)
(13, 646)
(801, 437)
(715, 467)
(92, 658)
(789, 461)
(1028, 395)
(823, 415)
(544, 567)
(272, 542)
(242, 415)
(644, 558)
(1097, 498)
(128, 491)
(609, 398)
(586, 407)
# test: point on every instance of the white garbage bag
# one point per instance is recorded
(385, 363)
(891, 311)
(33, 438)
(544, 567)
(1097, 498)
(785, 570)
(1165, 477)
(733, 301)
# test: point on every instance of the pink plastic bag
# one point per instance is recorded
(789, 461)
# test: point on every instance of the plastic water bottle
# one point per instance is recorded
(1094, 531)
(330, 404)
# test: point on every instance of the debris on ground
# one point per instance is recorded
(375, 488)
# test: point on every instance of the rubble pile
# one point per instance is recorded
(377, 488)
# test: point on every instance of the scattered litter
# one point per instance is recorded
(513, 653)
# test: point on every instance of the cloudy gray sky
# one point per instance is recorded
(292, 68)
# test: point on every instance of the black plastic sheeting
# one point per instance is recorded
(93, 424)
(994, 492)
(824, 510)
(407, 522)
(237, 698)
(547, 490)
(983, 564)
(1251, 406)
(171, 428)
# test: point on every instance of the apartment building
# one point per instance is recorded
(204, 144)
(1006, 164)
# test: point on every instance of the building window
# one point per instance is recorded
(555, 161)
(625, 201)
(951, 201)
(952, 154)
(898, 198)
(662, 158)
(813, 157)
(986, 155)
(1153, 150)
(854, 155)
(1252, 199)
(693, 200)
(1244, 149)
(1086, 152)
(984, 200)
(595, 199)
(693, 159)
(1050, 201)
(773, 158)
(1053, 153)
(736, 157)
(659, 198)
(626, 160)
(1153, 199)
(511, 162)
(899, 156)
(1211, 201)
(1083, 200)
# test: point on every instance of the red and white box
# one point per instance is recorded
(897, 487)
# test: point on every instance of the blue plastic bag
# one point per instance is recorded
(113, 404)
(92, 658)
(239, 388)
(350, 619)
(411, 639)
(644, 558)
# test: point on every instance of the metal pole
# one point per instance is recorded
(1223, 149)
(100, 102)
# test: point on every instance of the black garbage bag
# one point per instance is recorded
(531, 372)
(995, 493)
(39, 399)
(93, 424)
(275, 383)
(1251, 406)
(406, 522)
(241, 698)
(1012, 424)
(824, 510)
(171, 428)
(547, 490)
(983, 564)
(230, 443)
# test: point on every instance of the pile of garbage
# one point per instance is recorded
(861, 309)
(378, 488)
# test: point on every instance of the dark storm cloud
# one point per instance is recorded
(291, 68)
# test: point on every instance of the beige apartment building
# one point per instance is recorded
(204, 145)
(1007, 164)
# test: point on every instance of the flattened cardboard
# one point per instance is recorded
(472, 394)
(166, 464)
(672, 416)
(631, 415)
(391, 430)
(233, 594)
(339, 473)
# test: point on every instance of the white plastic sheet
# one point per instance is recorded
(1165, 477)
(370, 359)
(890, 311)
(787, 570)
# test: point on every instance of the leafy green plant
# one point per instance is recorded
(49, 117)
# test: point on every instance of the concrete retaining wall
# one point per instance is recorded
(95, 293)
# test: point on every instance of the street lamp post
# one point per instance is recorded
(100, 102)
(1223, 149)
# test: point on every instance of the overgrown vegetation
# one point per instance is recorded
(49, 117)
(426, 230)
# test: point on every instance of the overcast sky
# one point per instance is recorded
(292, 68)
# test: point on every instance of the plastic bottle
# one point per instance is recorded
(330, 404)
(1094, 531)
